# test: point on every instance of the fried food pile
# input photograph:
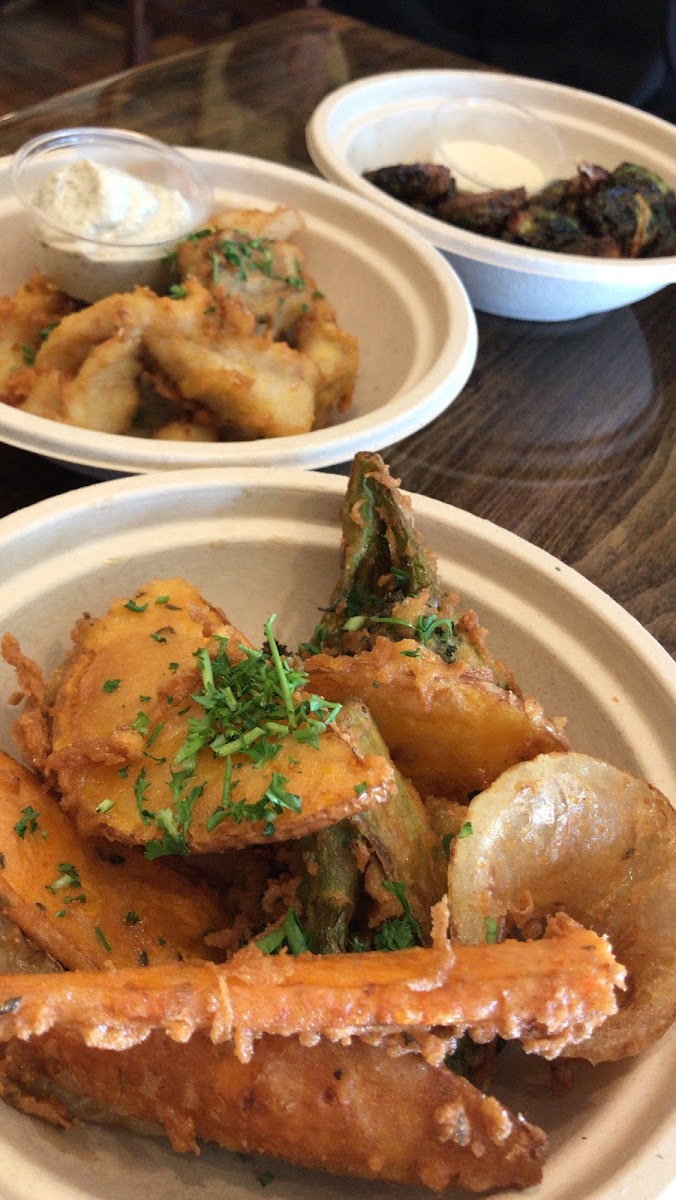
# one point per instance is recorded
(243, 886)
(243, 345)
(629, 212)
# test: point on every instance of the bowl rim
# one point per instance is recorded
(400, 416)
(91, 135)
(473, 246)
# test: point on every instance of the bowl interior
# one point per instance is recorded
(408, 310)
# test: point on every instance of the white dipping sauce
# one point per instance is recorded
(499, 166)
(132, 221)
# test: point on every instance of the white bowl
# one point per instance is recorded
(263, 541)
(388, 119)
(415, 326)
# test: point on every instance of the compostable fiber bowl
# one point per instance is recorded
(388, 119)
(409, 311)
(268, 541)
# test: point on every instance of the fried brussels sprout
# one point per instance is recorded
(629, 212)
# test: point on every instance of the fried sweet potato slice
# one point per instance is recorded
(86, 903)
(401, 1119)
(127, 730)
(567, 831)
(549, 993)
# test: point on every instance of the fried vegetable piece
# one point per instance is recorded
(400, 840)
(335, 354)
(196, 758)
(329, 888)
(413, 183)
(87, 904)
(389, 585)
(550, 993)
(482, 212)
(629, 212)
(567, 831)
(635, 207)
(403, 1120)
(450, 714)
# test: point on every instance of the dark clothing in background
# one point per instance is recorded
(625, 49)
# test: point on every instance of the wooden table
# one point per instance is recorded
(564, 433)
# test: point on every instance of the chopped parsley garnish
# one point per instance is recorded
(437, 633)
(132, 918)
(123, 772)
(68, 877)
(140, 788)
(45, 332)
(111, 685)
(105, 806)
(464, 832)
(173, 666)
(177, 292)
(162, 599)
(491, 930)
(290, 934)
(266, 1178)
(134, 607)
(158, 635)
(141, 722)
(360, 788)
(399, 932)
(102, 938)
(28, 355)
(175, 822)
(28, 823)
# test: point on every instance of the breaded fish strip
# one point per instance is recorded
(102, 395)
(247, 253)
(26, 321)
(349, 1110)
(335, 352)
(550, 994)
(85, 903)
(259, 387)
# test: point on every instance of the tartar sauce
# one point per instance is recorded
(96, 201)
(133, 223)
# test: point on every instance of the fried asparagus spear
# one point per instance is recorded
(451, 715)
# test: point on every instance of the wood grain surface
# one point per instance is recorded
(563, 434)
